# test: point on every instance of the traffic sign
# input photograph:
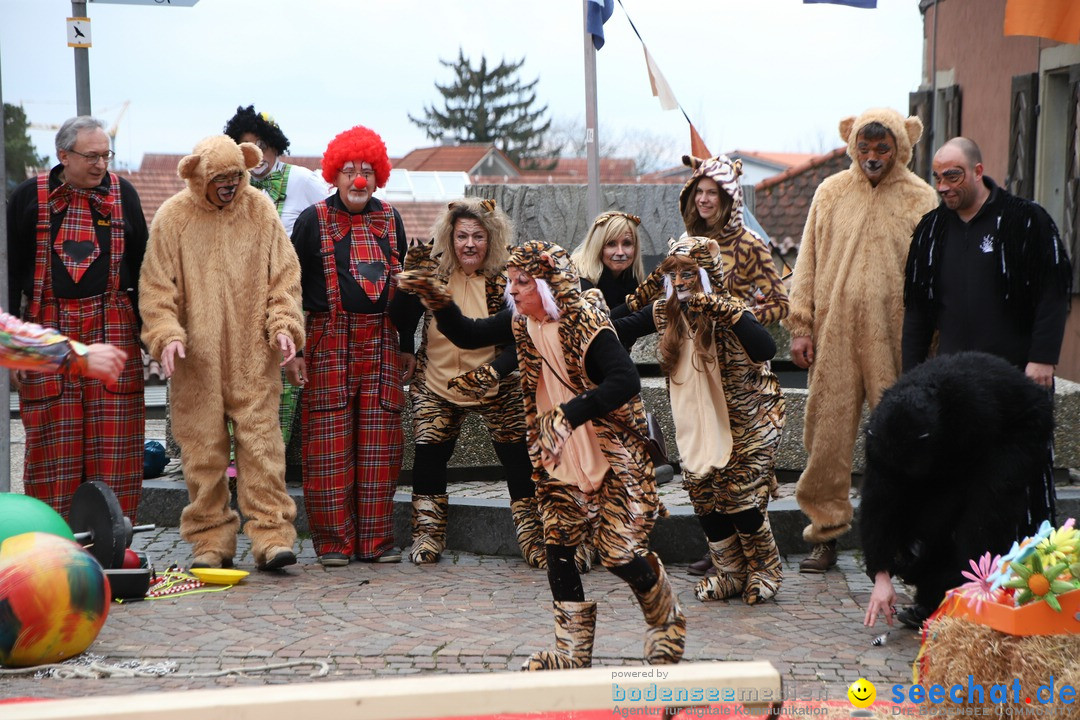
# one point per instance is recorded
(78, 32)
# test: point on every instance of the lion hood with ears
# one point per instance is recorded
(218, 155)
(224, 281)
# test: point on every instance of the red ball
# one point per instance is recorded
(360, 182)
(131, 560)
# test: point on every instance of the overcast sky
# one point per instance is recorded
(770, 75)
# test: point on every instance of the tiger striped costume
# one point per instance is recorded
(731, 501)
(437, 423)
(621, 511)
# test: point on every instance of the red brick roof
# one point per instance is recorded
(782, 202)
(447, 158)
(419, 217)
(575, 170)
(156, 180)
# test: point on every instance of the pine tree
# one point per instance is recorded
(489, 105)
(19, 151)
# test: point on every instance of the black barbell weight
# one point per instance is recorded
(99, 525)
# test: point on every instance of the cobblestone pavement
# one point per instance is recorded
(468, 613)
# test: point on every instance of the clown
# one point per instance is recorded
(76, 240)
(220, 301)
(351, 247)
(469, 253)
(581, 393)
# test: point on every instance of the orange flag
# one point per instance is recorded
(1055, 19)
(697, 145)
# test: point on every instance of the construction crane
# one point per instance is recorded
(111, 132)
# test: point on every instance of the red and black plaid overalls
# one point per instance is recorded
(351, 409)
(80, 429)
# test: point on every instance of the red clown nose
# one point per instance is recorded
(360, 182)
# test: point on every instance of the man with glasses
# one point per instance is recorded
(76, 239)
(987, 271)
(351, 248)
(220, 296)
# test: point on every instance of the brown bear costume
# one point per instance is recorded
(225, 282)
(847, 297)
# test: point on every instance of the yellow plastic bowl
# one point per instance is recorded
(219, 576)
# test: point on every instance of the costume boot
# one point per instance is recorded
(730, 563)
(575, 626)
(530, 531)
(429, 528)
(763, 563)
(666, 637)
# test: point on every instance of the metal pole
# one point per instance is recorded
(932, 134)
(5, 388)
(82, 66)
(592, 142)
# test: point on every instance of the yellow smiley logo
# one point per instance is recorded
(862, 693)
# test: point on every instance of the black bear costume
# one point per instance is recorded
(956, 464)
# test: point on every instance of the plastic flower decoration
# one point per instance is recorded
(1036, 582)
(1019, 553)
(978, 589)
(1062, 545)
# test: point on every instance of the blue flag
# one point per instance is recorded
(868, 4)
(597, 13)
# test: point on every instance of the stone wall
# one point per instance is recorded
(558, 213)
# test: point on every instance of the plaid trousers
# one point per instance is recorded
(79, 429)
(353, 441)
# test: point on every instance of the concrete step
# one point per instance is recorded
(484, 526)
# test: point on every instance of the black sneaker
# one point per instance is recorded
(334, 559)
(913, 616)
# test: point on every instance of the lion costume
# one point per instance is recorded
(847, 295)
(225, 282)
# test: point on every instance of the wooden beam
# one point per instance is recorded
(441, 696)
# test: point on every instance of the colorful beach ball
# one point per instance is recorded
(22, 514)
(54, 598)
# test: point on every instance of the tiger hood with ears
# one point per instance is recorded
(726, 173)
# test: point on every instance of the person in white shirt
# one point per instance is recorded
(292, 189)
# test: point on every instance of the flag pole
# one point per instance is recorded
(592, 143)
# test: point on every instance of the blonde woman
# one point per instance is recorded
(610, 258)
(468, 256)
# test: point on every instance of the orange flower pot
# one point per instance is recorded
(1035, 618)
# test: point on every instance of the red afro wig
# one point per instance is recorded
(358, 143)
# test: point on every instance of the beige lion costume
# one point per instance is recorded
(225, 282)
(847, 295)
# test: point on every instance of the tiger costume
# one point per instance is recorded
(748, 268)
(438, 408)
(590, 474)
(728, 422)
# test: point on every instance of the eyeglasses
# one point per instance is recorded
(952, 176)
(352, 172)
(95, 158)
(228, 179)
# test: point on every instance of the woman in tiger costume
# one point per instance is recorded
(728, 411)
(580, 389)
(468, 254)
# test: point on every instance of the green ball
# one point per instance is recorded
(22, 514)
